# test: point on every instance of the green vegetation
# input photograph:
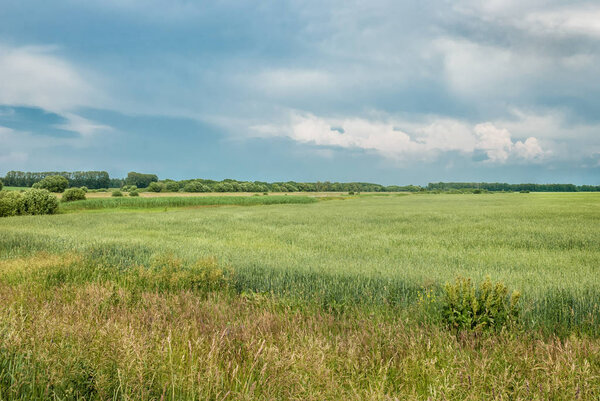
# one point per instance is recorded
(116, 194)
(31, 202)
(176, 202)
(466, 307)
(53, 183)
(502, 186)
(90, 179)
(351, 298)
(140, 180)
(73, 194)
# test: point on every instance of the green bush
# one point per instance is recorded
(466, 307)
(53, 183)
(73, 194)
(39, 201)
(134, 193)
(1, 185)
(196, 187)
(172, 186)
(85, 189)
(155, 187)
(117, 193)
(11, 203)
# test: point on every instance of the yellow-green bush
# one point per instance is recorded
(467, 307)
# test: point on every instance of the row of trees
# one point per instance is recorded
(101, 179)
(500, 186)
(229, 185)
(89, 179)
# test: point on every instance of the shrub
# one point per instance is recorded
(466, 307)
(155, 187)
(117, 193)
(73, 194)
(1, 185)
(39, 201)
(172, 186)
(11, 203)
(85, 189)
(134, 193)
(53, 183)
(196, 187)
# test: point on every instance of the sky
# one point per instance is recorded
(385, 91)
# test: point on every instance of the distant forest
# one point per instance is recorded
(101, 180)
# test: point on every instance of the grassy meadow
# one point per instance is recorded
(287, 297)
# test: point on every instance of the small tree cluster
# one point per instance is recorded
(53, 183)
(140, 180)
(30, 202)
(73, 194)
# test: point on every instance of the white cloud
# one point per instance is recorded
(82, 125)
(579, 20)
(34, 76)
(426, 141)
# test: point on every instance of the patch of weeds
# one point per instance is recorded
(486, 307)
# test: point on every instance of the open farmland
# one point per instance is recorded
(324, 299)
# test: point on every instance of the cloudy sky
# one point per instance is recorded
(394, 92)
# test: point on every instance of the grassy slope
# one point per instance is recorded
(95, 327)
(365, 249)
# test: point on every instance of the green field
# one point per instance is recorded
(337, 266)
(15, 188)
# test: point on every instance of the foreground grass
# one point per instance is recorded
(75, 329)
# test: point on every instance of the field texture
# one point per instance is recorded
(320, 300)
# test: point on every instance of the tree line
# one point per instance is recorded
(502, 186)
(102, 180)
(89, 179)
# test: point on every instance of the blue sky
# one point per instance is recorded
(381, 91)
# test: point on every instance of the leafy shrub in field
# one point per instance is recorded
(196, 187)
(168, 273)
(39, 201)
(85, 189)
(155, 187)
(1, 185)
(53, 183)
(73, 194)
(466, 307)
(11, 203)
(134, 193)
(172, 186)
(117, 193)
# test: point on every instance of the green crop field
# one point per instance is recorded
(324, 299)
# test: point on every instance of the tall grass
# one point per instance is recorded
(362, 251)
(175, 202)
(72, 329)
